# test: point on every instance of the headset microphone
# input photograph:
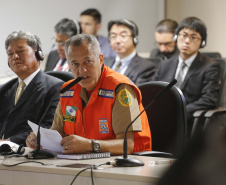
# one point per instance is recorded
(125, 161)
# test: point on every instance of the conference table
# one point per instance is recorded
(53, 174)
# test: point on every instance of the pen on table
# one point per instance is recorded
(170, 161)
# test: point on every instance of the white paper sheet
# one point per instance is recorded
(50, 139)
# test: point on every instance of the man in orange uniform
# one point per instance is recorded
(93, 115)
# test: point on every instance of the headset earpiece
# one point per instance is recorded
(39, 55)
(175, 38)
(135, 41)
(5, 149)
(203, 44)
(20, 150)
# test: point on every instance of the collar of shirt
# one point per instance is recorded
(65, 67)
(188, 64)
(125, 62)
(29, 78)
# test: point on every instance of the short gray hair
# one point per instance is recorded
(32, 40)
(78, 40)
(67, 27)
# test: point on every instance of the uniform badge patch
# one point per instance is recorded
(70, 110)
(106, 93)
(103, 126)
(125, 98)
(67, 94)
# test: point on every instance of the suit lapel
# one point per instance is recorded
(172, 63)
(30, 89)
(134, 62)
(109, 62)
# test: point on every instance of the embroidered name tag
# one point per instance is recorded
(106, 93)
(67, 94)
(69, 118)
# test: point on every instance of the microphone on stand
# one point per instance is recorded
(126, 161)
(44, 154)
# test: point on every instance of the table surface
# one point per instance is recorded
(149, 173)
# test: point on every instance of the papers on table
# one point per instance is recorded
(50, 139)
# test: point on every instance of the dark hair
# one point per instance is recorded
(193, 23)
(166, 26)
(67, 27)
(125, 22)
(94, 13)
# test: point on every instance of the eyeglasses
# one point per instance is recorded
(122, 37)
(192, 38)
(60, 43)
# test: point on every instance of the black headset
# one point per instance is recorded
(134, 30)
(39, 55)
(5, 149)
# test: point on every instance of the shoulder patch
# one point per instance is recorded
(125, 98)
(67, 94)
(106, 93)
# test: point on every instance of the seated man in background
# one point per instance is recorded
(64, 29)
(198, 76)
(164, 32)
(123, 39)
(26, 97)
(90, 21)
(102, 105)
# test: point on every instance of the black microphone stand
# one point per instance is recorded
(126, 161)
(44, 154)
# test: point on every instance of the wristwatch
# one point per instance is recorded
(95, 145)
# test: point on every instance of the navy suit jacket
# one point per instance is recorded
(139, 70)
(30, 106)
(201, 84)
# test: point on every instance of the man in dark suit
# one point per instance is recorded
(64, 29)
(26, 97)
(164, 32)
(198, 76)
(123, 39)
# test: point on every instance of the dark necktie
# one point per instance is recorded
(180, 74)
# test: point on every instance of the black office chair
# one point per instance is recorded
(212, 54)
(167, 118)
(205, 117)
(65, 76)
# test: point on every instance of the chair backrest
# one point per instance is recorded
(212, 54)
(166, 116)
(63, 75)
(222, 94)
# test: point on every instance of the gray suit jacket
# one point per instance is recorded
(139, 70)
(30, 106)
(201, 84)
